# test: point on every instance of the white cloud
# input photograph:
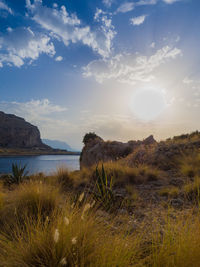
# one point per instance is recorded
(5, 7)
(186, 80)
(125, 7)
(32, 109)
(69, 29)
(59, 58)
(170, 1)
(127, 68)
(107, 3)
(153, 45)
(138, 20)
(19, 44)
(129, 6)
(146, 2)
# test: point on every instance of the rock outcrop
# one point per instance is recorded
(164, 155)
(96, 149)
(15, 132)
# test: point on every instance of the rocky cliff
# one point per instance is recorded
(164, 154)
(96, 149)
(15, 132)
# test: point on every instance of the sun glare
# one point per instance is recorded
(148, 104)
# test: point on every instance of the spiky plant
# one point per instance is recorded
(104, 188)
(19, 174)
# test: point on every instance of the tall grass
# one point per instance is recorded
(190, 164)
(178, 244)
(66, 239)
(33, 200)
(124, 175)
(41, 225)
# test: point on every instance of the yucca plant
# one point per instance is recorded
(19, 174)
(103, 192)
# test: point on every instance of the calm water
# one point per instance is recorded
(43, 163)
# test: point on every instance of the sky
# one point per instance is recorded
(123, 69)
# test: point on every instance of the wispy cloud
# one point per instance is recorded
(171, 1)
(125, 7)
(108, 3)
(138, 20)
(127, 68)
(69, 29)
(146, 2)
(129, 6)
(4, 6)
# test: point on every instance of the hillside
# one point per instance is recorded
(19, 137)
(144, 200)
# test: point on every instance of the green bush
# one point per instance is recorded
(103, 189)
(19, 174)
(89, 136)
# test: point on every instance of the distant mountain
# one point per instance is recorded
(57, 144)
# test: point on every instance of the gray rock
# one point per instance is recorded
(15, 132)
(96, 150)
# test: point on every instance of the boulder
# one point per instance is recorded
(149, 140)
(96, 150)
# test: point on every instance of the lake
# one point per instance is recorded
(42, 163)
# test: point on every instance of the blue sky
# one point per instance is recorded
(70, 67)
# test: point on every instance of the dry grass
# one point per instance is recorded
(69, 237)
(192, 190)
(41, 226)
(123, 175)
(171, 192)
(178, 244)
(190, 164)
(33, 200)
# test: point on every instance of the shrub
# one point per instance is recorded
(178, 244)
(33, 200)
(68, 240)
(124, 175)
(192, 190)
(63, 178)
(169, 191)
(19, 174)
(190, 164)
(89, 136)
(150, 172)
(132, 192)
(103, 191)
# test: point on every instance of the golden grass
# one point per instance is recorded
(33, 200)
(170, 192)
(41, 226)
(190, 164)
(192, 190)
(71, 237)
(178, 244)
(123, 175)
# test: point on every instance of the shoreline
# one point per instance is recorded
(13, 153)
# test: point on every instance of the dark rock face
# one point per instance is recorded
(15, 132)
(97, 149)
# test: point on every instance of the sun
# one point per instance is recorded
(148, 104)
